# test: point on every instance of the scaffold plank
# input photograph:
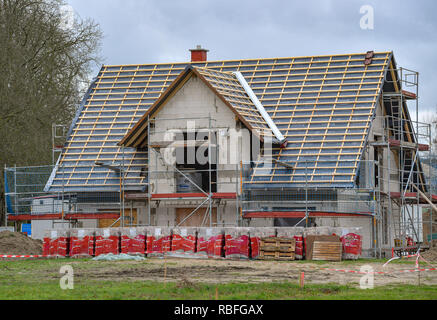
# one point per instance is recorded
(58, 216)
(301, 214)
(409, 145)
(218, 195)
(412, 196)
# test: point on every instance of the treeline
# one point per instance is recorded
(45, 61)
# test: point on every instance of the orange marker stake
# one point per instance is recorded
(165, 274)
(302, 279)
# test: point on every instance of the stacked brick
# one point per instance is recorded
(107, 241)
(184, 241)
(202, 242)
(133, 240)
(82, 243)
(237, 243)
(210, 242)
(55, 243)
(158, 241)
(351, 240)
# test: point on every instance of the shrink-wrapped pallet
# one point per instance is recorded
(133, 240)
(256, 234)
(107, 241)
(55, 243)
(237, 243)
(183, 241)
(352, 243)
(82, 243)
(210, 242)
(158, 241)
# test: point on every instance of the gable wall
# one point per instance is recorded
(390, 167)
(197, 101)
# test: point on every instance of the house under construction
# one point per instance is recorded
(307, 141)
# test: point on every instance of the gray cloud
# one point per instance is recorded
(138, 31)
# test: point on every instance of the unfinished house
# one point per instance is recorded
(298, 141)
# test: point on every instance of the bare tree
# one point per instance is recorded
(43, 69)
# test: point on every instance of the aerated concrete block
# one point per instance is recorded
(82, 242)
(210, 242)
(133, 240)
(107, 241)
(237, 243)
(158, 241)
(56, 243)
(184, 241)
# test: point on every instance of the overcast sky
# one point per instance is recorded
(152, 31)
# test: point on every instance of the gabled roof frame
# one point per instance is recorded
(397, 86)
(136, 137)
(134, 82)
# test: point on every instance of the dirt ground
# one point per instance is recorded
(430, 255)
(225, 271)
(19, 244)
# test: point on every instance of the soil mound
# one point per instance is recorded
(430, 255)
(16, 243)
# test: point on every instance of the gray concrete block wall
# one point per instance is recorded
(197, 100)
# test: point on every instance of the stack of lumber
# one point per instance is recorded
(327, 250)
(273, 248)
(322, 247)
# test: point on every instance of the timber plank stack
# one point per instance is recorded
(327, 247)
(273, 248)
(327, 250)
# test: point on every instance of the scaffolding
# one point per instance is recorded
(391, 186)
(59, 135)
(26, 199)
(409, 143)
(202, 186)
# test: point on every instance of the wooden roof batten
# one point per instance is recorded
(318, 102)
(136, 137)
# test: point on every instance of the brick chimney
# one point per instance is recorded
(199, 54)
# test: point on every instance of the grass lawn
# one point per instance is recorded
(93, 290)
(39, 279)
